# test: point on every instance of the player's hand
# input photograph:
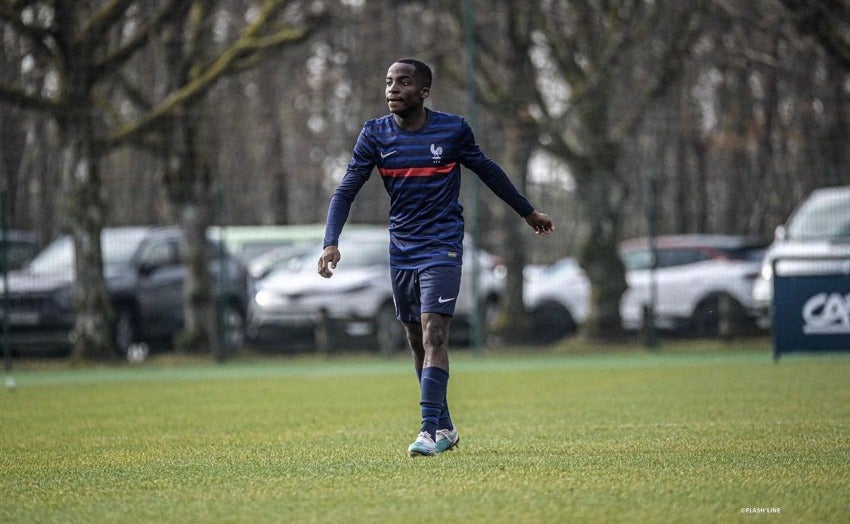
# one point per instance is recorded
(540, 222)
(328, 261)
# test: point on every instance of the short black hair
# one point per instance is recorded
(421, 70)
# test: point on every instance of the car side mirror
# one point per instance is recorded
(780, 234)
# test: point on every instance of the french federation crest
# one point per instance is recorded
(436, 153)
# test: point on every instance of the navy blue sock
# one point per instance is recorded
(445, 421)
(434, 384)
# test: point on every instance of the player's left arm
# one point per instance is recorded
(498, 182)
(540, 222)
(495, 178)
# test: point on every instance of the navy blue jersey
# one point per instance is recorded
(421, 173)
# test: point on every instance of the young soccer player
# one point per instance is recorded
(418, 153)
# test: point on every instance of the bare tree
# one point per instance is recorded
(79, 45)
(84, 46)
(766, 119)
(600, 66)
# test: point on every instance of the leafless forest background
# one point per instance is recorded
(756, 119)
(735, 109)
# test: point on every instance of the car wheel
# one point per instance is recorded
(706, 318)
(552, 322)
(125, 331)
(233, 324)
(706, 321)
(388, 330)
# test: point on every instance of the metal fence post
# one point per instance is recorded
(477, 323)
(4, 265)
(650, 334)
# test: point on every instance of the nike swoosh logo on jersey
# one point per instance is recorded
(442, 300)
(385, 155)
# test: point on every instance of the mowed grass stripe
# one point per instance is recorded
(545, 438)
(200, 369)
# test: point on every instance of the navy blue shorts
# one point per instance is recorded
(430, 290)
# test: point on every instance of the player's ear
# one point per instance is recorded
(424, 92)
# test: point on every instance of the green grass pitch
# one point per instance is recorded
(722, 435)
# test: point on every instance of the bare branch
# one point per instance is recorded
(827, 22)
(19, 98)
(225, 63)
(687, 31)
(36, 35)
(101, 21)
(117, 58)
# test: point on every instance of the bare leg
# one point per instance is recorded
(428, 341)
(413, 330)
(435, 337)
(439, 331)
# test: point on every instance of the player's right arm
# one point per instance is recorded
(328, 261)
(358, 172)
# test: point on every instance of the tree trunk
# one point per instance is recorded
(188, 182)
(514, 322)
(92, 333)
(602, 196)
(200, 319)
(13, 137)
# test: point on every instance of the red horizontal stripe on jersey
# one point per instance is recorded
(404, 172)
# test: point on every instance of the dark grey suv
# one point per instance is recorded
(144, 278)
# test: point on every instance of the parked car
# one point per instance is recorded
(21, 247)
(357, 302)
(819, 228)
(558, 298)
(693, 275)
(250, 242)
(144, 279)
(290, 256)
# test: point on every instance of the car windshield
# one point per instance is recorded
(253, 250)
(291, 257)
(365, 253)
(118, 249)
(749, 253)
(356, 252)
(18, 253)
(824, 217)
(637, 259)
(666, 257)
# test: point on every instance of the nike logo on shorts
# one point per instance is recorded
(442, 300)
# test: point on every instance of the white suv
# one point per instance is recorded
(693, 275)
(818, 227)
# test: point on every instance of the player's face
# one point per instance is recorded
(404, 95)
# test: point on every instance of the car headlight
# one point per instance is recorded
(267, 299)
